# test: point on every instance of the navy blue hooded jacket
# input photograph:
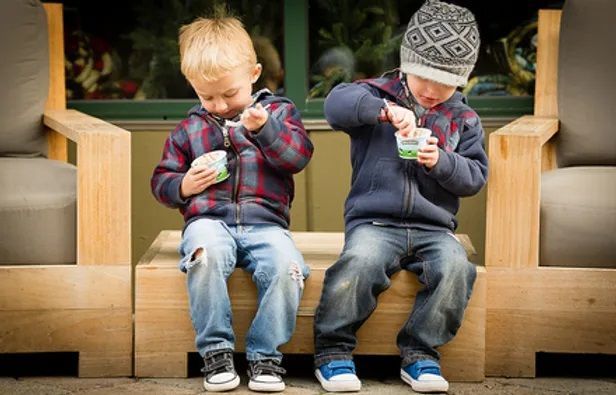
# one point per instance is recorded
(386, 189)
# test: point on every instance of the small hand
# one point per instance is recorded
(196, 180)
(428, 155)
(402, 118)
(253, 118)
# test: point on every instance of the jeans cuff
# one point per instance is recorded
(216, 347)
(322, 359)
(254, 356)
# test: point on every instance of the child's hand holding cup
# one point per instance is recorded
(216, 160)
(409, 145)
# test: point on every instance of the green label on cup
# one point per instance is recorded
(407, 153)
(222, 175)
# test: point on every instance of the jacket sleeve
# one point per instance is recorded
(464, 171)
(170, 171)
(283, 139)
(351, 106)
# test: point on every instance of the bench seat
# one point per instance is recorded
(164, 335)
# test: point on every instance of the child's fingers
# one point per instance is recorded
(432, 140)
(391, 114)
(257, 113)
(207, 180)
(406, 131)
(202, 172)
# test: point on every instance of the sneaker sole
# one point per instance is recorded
(266, 387)
(418, 386)
(226, 386)
(337, 386)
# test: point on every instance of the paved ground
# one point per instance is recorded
(297, 386)
(55, 375)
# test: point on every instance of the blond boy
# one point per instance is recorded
(240, 220)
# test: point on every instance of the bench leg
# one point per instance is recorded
(105, 364)
(161, 364)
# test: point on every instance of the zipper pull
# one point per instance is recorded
(225, 135)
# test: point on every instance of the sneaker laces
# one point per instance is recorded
(219, 361)
(341, 367)
(429, 367)
(265, 367)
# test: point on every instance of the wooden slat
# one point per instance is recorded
(513, 198)
(539, 129)
(161, 364)
(547, 309)
(562, 289)
(103, 337)
(546, 81)
(548, 157)
(76, 125)
(104, 199)
(105, 363)
(103, 186)
(64, 287)
(56, 98)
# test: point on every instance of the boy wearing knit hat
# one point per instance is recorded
(400, 213)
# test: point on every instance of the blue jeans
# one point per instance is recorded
(371, 255)
(210, 251)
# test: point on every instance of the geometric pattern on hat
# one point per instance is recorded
(441, 36)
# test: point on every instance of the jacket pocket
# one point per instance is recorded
(386, 194)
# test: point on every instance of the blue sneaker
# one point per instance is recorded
(424, 376)
(338, 376)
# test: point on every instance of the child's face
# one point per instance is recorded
(428, 93)
(228, 95)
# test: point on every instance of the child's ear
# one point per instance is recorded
(256, 73)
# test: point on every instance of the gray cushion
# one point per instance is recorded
(578, 217)
(37, 211)
(587, 83)
(24, 76)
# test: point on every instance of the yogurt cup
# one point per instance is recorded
(409, 146)
(214, 159)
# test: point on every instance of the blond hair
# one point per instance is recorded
(212, 47)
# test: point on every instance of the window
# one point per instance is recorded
(354, 40)
(128, 50)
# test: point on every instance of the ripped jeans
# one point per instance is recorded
(210, 251)
(371, 255)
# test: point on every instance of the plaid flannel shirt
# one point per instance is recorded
(260, 188)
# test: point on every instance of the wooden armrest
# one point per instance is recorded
(538, 130)
(103, 186)
(76, 125)
(515, 166)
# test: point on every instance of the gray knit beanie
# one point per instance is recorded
(441, 43)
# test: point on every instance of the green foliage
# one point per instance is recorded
(155, 57)
(366, 28)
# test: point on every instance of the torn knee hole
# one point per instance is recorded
(296, 274)
(197, 254)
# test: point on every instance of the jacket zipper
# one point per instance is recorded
(407, 190)
(409, 196)
(236, 184)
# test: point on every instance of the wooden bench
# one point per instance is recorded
(164, 334)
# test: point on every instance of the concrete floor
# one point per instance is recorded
(54, 374)
(297, 385)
